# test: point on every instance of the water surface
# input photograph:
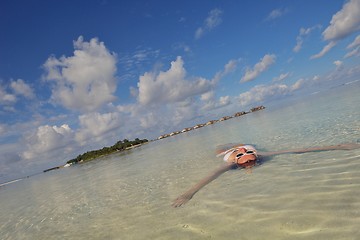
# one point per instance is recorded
(128, 195)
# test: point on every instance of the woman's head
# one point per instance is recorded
(245, 156)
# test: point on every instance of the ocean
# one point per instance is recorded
(128, 195)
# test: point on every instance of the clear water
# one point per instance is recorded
(129, 195)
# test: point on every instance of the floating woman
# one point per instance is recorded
(246, 156)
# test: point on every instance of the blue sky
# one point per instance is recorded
(80, 75)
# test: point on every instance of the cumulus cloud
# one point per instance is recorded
(212, 21)
(261, 92)
(85, 81)
(9, 94)
(6, 97)
(259, 67)
(46, 139)
(344, 22)
(170, 86)
(303, 33)
(170, 98)
(96, 126)
(210, 101)
(22, 89)
(158, 118)
(208, 96)
(215, 104)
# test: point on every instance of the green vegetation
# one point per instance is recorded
(119, 146)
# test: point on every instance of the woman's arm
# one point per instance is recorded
(345, 146)
(185, 197)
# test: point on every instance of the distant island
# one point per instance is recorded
(119, 146)
(90, 155)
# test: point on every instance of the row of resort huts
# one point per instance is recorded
(238, 114)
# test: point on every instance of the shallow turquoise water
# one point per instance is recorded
(128, 195)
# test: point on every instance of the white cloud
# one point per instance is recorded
(170, 86)
(181, 113)
(338, 63)
(325, 50)
(46, 140)
(224, 100)
(9, 94)
(211, 103)
(276, 13)
(228, 68)
(297, 85)
(354, 52)
(169, 98)
(6, 98)
(158, 118)
(316, 78)
(21, 88)
(259, 67)
(96, 126)
(86, 80)
(281, 77)
(215, 104)
(304, 32)
(344, 22)
(208, 96)
(212, 21)
(261, 93)
(355, 43)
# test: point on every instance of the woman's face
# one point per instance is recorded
(245, 158)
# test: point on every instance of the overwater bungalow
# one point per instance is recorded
(254, 109)
(198, 126)
(238, 114)
(225, 118)
(211, 122)
(186, 130)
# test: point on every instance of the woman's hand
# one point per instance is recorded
(181, 200)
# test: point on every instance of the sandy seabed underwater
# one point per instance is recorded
(128, 195)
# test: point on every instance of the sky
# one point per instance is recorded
(80, 75)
